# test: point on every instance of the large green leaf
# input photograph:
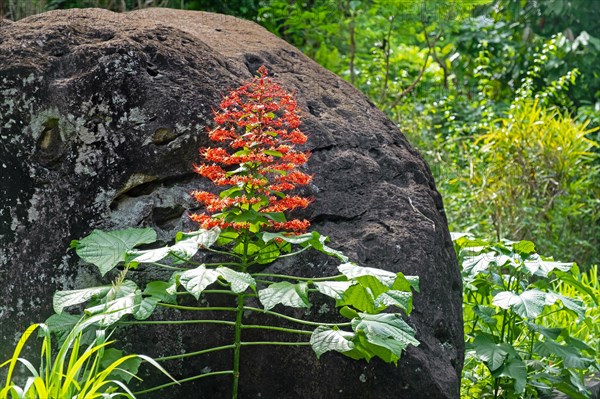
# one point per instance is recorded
(285, 293)
(62, 325)
(196, 280)
(552, 333)
(351, 271)
(400, 299)
(387, 330)
(524, 247)
(185, 248)
(539, 267)
(579, 344)
(107, 249)
(528, 304)
(122, 299)
(575, 305)
(313, 239)
(515, 369)
(381, 349)
(348, 312)
(360, 297)
(63, 299)
(489, 352)
(145, 307)
(160, 290)
(570, 355)
(325, 339)
(363, 294)
(413, 282)
(486, 314)
(333, 289)
(267, 254)
(480, 263)
(571, 390)
(239, 281)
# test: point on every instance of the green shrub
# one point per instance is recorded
(538, 177)
(518, 342)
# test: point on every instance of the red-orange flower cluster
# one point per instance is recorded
(258, 122)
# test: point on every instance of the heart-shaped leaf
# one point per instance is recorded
(239, 281)
(285, 293)
(333, 289)
(107, 249)
(528, 304)
(351, 271)
(325, 339)
(196, 280)
(63, 299)
(387, 330)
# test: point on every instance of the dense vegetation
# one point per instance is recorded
(502, 97)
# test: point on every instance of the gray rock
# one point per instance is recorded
(101, 118)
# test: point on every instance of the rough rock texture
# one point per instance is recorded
(101, 116)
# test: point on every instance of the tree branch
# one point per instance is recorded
(414, 84)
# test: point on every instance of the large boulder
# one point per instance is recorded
(101, 118)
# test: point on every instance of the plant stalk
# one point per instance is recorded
(237, 341)
(237, 345)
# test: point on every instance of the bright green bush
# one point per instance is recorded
(537, 177)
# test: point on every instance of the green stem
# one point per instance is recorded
(222, 284)
(129, 323)
(302, 343)
(531, 339)
(258, 310)
(181, 307)
(283, 329)
(295, 253)
(202, 352)
(224, 372)
(226, 292)
(237, 344)
(297, 278)
(224, 253)
(167, 266)
(496, 387)
(308, 323)
(223, 264)
(504, 323)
